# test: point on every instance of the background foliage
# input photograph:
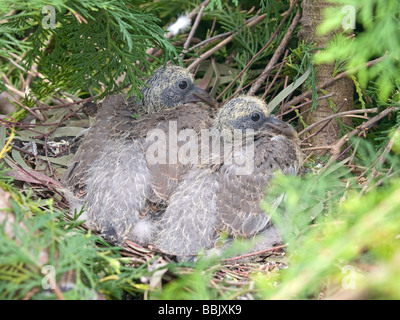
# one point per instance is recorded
(92, 44)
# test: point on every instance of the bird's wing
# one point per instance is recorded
(170, 164)
(240, 195)
(118, 185)
(189, 223)
(113, 114)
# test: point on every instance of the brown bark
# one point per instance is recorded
(341, 89)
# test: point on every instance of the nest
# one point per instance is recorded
(43, 145)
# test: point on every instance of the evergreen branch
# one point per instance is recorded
(277, 53)
(210, 52)
(341, 75)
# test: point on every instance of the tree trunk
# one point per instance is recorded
(340, 90)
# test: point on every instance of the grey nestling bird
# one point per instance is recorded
(110, 174)
(220, 196)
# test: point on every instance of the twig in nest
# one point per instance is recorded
(380, 161)
(255, 253)
(239, 89)
(268, 88)
(57, 125)
(194, 28)
(326, 124)
(46, 139)
(317, 148)
(79, 18)
(328, 82)
(58, 293)
(69, 104)
(150, 52)
(210, 40)
(336, 115)
(270, 64)
(32, 112)
(277, 54)
(12, 89)
(336, 147)
(306, 103)
(210, 52)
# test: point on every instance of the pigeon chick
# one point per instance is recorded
(110, 175)
(224, 194)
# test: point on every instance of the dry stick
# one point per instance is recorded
(212, 27)
(298, 115)
(56, 183)
(267, 89)
(14, 90)
(308, 102)
(308, 157)
(65, 104)
(328, 82)
(24, 126)
(20, 67)
(387, 175)
(351, 157)
(169, 35)
(41, 112)
(58, 293)
(210, 52)
(218, 36)
(46, 139)
(215, 38)
(216, 287)
(255, 253)
(240, 88)
(22, 150)
(251, 61)
(56, 124)
(251, 82)
(193, 12)
(245, 87)
(29, 110)
(32, 291)
(277, 54)
(304, 104)
(283, 101)
(73, 112)
(380, 161)
(21, 94)
(210, 40)
(337, 146)
(336, 115)
(33, 70)
(317, 148)
(326, 124)
(194, 28)
(273, 36)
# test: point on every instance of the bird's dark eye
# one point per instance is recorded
(183, 84)
(255, 116)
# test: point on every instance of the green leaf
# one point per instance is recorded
(288, 90)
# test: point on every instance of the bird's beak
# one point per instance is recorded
(281, 127)
(199, 95)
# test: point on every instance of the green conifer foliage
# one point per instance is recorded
(82, 44)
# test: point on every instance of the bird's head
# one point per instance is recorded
(170, 87)
(247, 112)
